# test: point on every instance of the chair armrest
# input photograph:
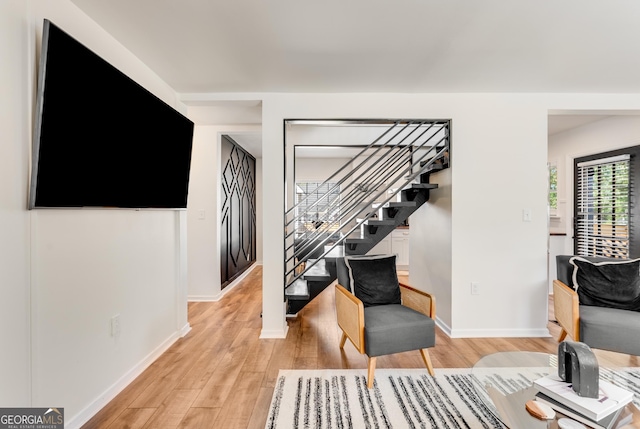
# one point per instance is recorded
(418, 300)
(566, 307)
(350, 315)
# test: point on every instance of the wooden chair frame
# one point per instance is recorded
(350, 314)
(567, 310)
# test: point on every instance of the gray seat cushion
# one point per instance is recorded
(395, 328)
(610, 329)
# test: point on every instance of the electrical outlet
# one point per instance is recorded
(115, 326)
(475, 288)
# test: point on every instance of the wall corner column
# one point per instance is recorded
(274, 324)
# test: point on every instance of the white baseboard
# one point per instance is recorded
(107, 396)
(277, 333)
(274, 333)
(185, 330)
(223, 292)
(203, 298)
(499, 333)
(443, 326)
(491, 333)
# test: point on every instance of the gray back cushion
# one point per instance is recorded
(373, 279)
(564, 269)
(343, 274)
(614, 284)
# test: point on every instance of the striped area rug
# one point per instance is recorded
(339, 399)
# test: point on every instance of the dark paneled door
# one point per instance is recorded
(238, 194)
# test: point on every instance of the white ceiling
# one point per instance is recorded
(560, 123)
(202, 46)
(217, 46)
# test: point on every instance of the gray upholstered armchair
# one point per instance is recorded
(597, 301)
(382, 316)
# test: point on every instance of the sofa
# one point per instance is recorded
(597, 302)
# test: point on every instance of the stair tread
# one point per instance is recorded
(434, 166)
(317, 272)
(357, 240)
(380, 222)
(297, 291)
(336, 252)
(423, 186)
(401, 204)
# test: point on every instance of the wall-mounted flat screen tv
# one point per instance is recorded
(101, 139)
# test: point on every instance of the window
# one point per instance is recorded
(319, 207)
(553, 188)
(603, 206)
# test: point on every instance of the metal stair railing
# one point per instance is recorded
(375, 177)
(348, 175)
(409, 180)
(394, 159)
(380, 181)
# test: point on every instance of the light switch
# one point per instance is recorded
(202, 214)
(526, 215)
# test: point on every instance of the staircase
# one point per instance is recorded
(387, 182)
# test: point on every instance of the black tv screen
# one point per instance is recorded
(101, 139)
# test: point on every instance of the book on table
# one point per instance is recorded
(610, 397)
(614, 420)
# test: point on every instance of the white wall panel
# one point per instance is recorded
(15, 122)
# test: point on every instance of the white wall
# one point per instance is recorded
(505, 131)
(15, 122)
(318, 169)
(78, 267)
(499, 169)
(204, 234)
(430, 247)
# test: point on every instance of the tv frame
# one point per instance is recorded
(38, 123)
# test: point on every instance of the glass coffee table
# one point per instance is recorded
(504, 382)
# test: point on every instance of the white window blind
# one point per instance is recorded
(602, 203)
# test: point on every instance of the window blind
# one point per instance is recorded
(602, 203)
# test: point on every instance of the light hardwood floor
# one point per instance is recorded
(221, 375)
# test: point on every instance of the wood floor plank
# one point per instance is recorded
(225, 376)
(132, 418)
(158, 390)
(260, 411)
(173, 409)
(240, 405)
(200, 418)
(222, 375)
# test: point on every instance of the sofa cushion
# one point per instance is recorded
(564, 270)
(614, 284)
(396, 328)
(610, 329)
(374, 279)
